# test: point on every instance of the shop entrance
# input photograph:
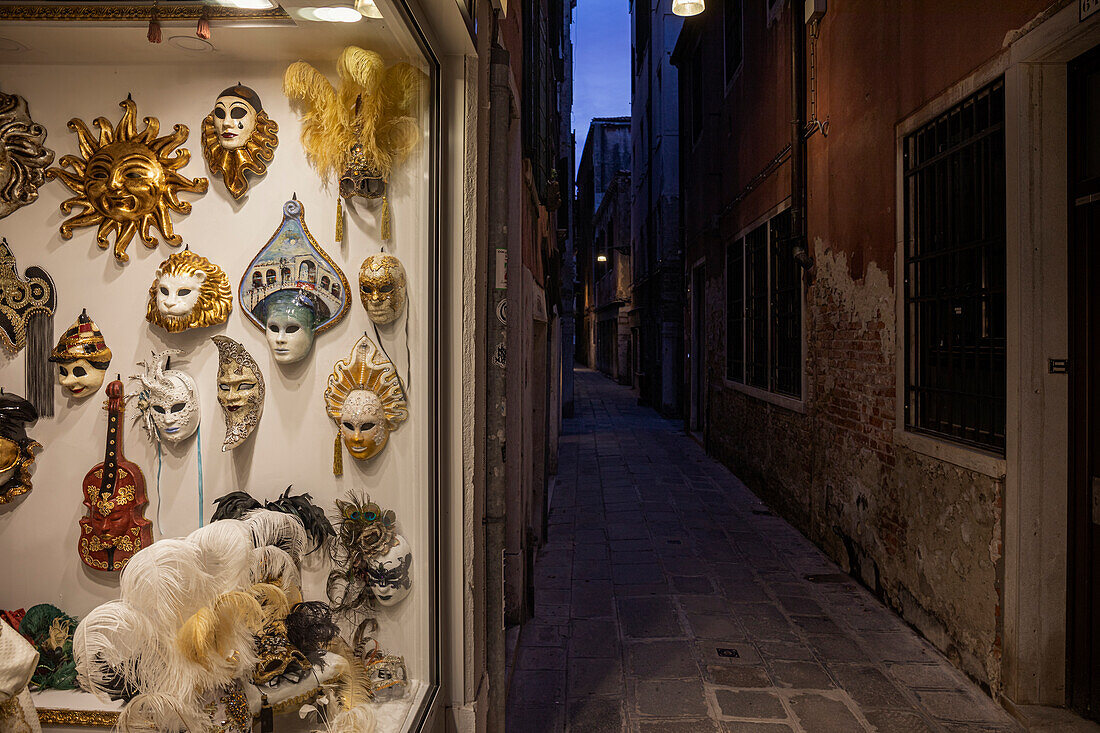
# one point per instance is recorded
(1083, 653)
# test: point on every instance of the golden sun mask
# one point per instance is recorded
(126, 181)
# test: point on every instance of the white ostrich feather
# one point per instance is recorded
(272, 565)
(167, 582)
(224, 548)
(284, 531)
(110, 641)
(360, 719)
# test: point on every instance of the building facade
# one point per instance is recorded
(881, 302)
(610, 350)
(606, 154)
(656, 310)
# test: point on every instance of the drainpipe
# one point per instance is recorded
(799, 247)
(500, 118)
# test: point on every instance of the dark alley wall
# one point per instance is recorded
(924, 534)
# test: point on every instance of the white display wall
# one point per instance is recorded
(293, 444)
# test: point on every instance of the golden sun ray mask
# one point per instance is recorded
(365, 399)
(126, 181)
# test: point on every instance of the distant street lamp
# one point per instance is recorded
(688, 7)
(601, 258)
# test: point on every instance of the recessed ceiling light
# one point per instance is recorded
(191, 43)
(338, 14)
(8, 45)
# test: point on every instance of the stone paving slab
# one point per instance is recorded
(669, 599)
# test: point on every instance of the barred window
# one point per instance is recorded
(732, 22)
(954, 170)
(764, 310)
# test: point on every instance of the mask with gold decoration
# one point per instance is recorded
(382, 288)
(188, 291)
(16, 448)
(366, 400)
(82, 357)
(356, 134)
(126, 181)
(238, 138)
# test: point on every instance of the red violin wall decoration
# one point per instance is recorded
(114, 492)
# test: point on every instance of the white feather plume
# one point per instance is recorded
(224, 548)
(109, 642)
(272, 565)
(167, 582)
(284, 531)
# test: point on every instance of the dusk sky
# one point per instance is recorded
(601, 63)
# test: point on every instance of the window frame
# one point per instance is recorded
(768, 393)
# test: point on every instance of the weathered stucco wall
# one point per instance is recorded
(924, 535)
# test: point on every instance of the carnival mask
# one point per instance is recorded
(388, 574)
(382, 288)
(188, 291)
(357, 134)
(169, 400)
(240, 391)
(238, 137)
(16, 449)
(23, 154)
(292, 289)
(365, 399)
(82, 357)
(387, 676)
(290, 324)
(126, 181)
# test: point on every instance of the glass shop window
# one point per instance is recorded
(314, 421)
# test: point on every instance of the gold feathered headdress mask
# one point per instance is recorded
(357, 134)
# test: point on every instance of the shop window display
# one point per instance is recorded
(216, 620)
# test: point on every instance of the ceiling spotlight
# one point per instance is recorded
(340, 12)
(368, 8)
(688, 7)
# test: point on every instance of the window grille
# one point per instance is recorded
(786, 310)
(764, 310)
(954, 171)
(756, 307)
(732, 22)
(735, 311)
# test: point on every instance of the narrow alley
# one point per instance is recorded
(668, 598)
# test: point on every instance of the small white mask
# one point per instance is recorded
(175, 409)
(388, 574)
(178, 294)
(289, 338)
(234, 121)
(79, 378)
(363, 424)
(169, 400)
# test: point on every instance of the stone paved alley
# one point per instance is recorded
(668, 598)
